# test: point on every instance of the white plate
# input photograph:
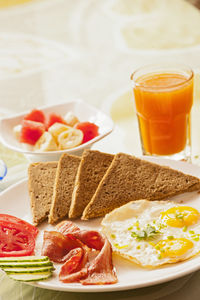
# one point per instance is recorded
(15, 201)
(84, 111)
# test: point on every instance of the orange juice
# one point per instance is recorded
(163, 104)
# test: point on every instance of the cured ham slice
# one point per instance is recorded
(66, 227)
(92, 239)
(87, 255)
(56, 246)
(101, 271)
(74, 268)
(74, 277)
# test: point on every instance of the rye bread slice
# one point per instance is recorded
(41, 181)
(92, 168)
(129, 178)
(63, 188)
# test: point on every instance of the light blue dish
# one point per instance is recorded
(3, 169)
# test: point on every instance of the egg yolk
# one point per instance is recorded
(181, 216)
(173, 248)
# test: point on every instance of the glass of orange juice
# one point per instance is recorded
(163, 99)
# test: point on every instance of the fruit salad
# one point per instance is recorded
(53, 132)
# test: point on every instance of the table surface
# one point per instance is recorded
(58, 50)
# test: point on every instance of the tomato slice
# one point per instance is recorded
(31, 228)
(15, 240)
(90, 130)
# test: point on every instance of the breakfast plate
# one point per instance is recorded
(15, 201)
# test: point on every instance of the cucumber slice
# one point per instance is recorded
(25, 264)
(23, 258)
(28, 270)
(30, 277)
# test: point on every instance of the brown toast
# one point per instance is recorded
(92, 168)
(41, 181)
(130, 178)
(63, 188)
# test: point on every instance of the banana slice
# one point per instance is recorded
(17, 130)
(71, 119)
(70, 139)
(46, 143)
(57, 128)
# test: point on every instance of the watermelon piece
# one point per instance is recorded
(90, 130)
(54, 118)
(31, 131)
(36, 115)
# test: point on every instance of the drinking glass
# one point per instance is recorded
(163, 99)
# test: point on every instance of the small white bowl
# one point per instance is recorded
(84, 111)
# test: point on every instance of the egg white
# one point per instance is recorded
(119, 225)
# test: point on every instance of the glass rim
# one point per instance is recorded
(187, 69)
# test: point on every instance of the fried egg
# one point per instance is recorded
(153, 233)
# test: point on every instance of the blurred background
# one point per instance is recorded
(58, 50)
